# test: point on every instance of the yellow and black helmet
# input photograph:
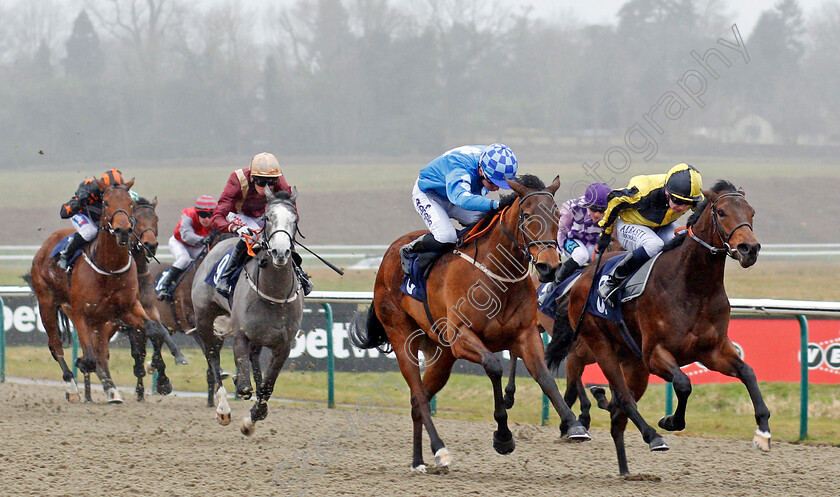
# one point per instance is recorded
(112, 177)
(683, 182)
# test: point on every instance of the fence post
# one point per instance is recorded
(2, 341)
(330, 357)
(803, 386)
(669, 398)
(75, 351)
(545, 397)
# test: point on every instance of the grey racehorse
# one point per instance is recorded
(266, 309)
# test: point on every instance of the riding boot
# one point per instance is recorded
(623, 270)
(65, 255)
(567, 269)
(167, 285)
(305, 282)
(237, 258)
(425, 243)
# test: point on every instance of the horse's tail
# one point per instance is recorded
(563, 336)
(367, 332)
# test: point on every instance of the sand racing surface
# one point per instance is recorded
(173, 446)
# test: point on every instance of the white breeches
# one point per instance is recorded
(436, 213)
(182, 252)
(84, 226)
(633, 236)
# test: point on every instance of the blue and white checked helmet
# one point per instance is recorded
(499, 164)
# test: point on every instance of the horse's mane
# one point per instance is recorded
(144, 201)
(720, 186)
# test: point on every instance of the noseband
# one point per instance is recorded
(718, 230)
(108, 225)
(527, 243)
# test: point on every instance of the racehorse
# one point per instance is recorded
(178, 314)
(144, 246)
(682, 317)
(100, 291)
(266, 309)
(471, 311)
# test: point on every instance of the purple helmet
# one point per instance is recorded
(596, 195)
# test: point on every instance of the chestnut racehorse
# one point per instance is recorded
(480, 300)
(682, 317)
(100, 291)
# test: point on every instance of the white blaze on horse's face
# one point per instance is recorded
(280, 227)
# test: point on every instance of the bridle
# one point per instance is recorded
(718, 230)
(138, 237)
(527, 243)
(109, 220)
(263, 243)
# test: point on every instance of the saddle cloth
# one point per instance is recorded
(60, 246)
(215, 274)
(632, 288)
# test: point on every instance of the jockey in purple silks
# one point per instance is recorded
(578, 230)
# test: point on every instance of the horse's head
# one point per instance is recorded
(117, 210)
(146, 226)
(538, 217)
(730, 219)
(280, 226)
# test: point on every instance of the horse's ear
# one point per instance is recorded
(129, 184)
(154, 201)
(516, 187)
(294, 194)
(269, 195)
(101, 184)
(552, 188)
(741, 191)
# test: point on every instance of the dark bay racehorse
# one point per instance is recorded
(682, 317)
(266, 310)
(144, 246)
(100, 291)
(480, 300)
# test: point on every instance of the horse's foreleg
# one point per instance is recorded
(510, 389)
(256, 368)
(138, 352)
(260, 409)
(530, 348)
(103, 355)
(731, 364)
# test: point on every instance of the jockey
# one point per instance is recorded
(643, 216)
(191, 236)
(578, 230)
(240, 210)
(454, 185)
(84, 210)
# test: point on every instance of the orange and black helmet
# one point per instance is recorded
(112, 177)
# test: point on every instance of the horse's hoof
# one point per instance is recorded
(420, 469)
(114, 396)
(73, 397)
(224, 374)
(443, 459)
(564, 428)
(223, 419)
(181, 359)
(508, 400)
(761, 440)
(578, 433)
(668, 423)
(149, 368)
(245, 393)
(658, 444)
(503, 447)
(600, 395)
(248, 427)
(164, 386)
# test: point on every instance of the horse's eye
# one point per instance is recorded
(525, 215)
(721, 213)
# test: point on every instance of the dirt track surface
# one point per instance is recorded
(173, 446)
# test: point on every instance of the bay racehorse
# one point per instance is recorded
(100, 292)
(480, 301)
(266, 309)
(682, 317)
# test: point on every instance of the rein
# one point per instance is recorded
(138, 236)
(726, 249)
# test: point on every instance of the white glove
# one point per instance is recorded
(243, 230)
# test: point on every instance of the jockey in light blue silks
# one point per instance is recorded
(453, 186)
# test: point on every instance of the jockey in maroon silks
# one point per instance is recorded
(240, 210)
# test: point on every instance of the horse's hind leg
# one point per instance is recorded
(730, 363)
(510, 389)
(575, 391)
(164, 384)
(137, 339)
(103, 355)
(49, 318)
